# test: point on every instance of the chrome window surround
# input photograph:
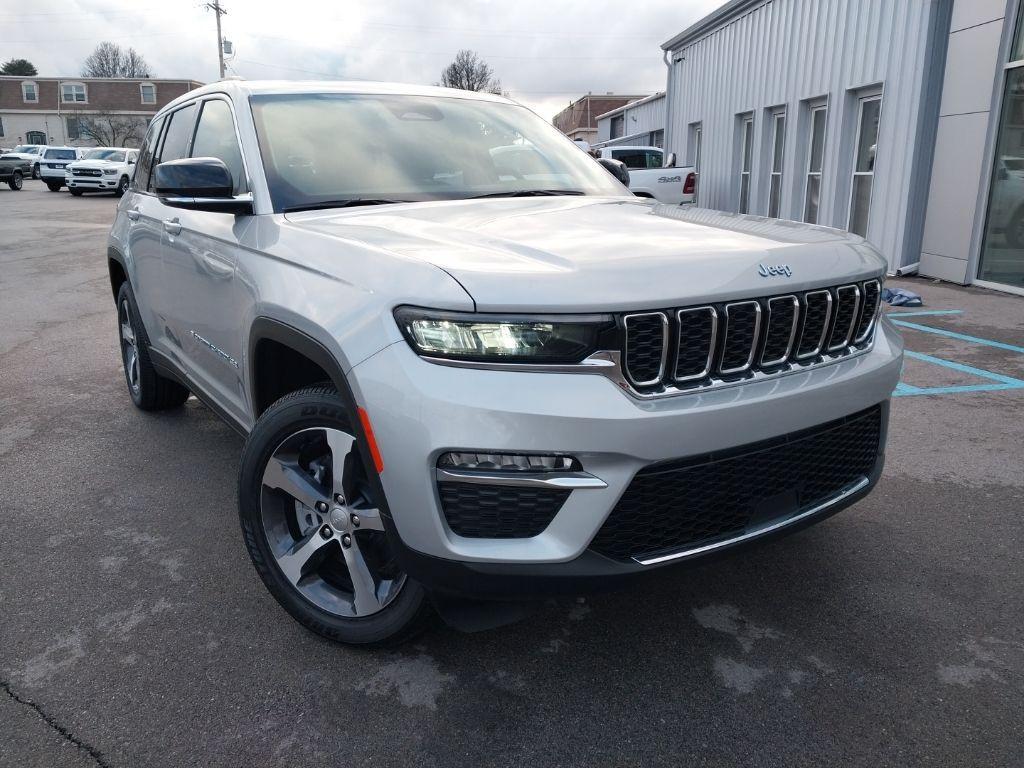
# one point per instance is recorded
(711, 347)
(664, 345)
(878, 307)
(853, 322)
(753, 346)
(792, 330)
(824, 331)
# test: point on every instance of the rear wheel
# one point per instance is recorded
(314, 529)
(54, 186)
(16, 182)
(75, 192)
(35, 171)
(122, 187)
(148, 389)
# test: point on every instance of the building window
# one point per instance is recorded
(618, 126)
(74, 128)
(73, 93)
(658, 139)
(29, 92)
(696, 136)
(869, 109)
(746, 157)
(778, 154)
(148, 91)
(815, 159)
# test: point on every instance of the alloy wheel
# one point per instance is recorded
(129, 348)
(16, 180)
(325, 534)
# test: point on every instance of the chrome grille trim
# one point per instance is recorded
(878, 305)
(664, 348)
(824, 330)
(757, 335)
(854, 317)
(711, 346)
(792, 330)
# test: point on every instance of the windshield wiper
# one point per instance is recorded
(324, 204)
(530, 193)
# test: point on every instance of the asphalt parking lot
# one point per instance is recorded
(134, 631)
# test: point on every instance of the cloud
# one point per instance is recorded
(546, 52)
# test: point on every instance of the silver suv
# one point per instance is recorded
(463, 385)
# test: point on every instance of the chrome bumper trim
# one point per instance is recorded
(846, 492)
(551, 480)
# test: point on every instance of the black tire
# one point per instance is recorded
(75, 192)
(148, 389)
(54, 186)
(304, 412)
(122, 187)
(16, 181)
(35, 171)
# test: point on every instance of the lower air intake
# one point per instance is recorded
(482, 511)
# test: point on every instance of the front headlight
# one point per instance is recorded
(109, 171)
(475, 337)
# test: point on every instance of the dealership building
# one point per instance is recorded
(900, 120)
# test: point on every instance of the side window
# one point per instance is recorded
(141, 177)
(654, 159)
(633, 158)
(215, 137)
(177, 137)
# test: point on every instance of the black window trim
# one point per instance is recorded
(238, 136)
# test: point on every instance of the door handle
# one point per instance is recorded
(172, 226)
(133, 215)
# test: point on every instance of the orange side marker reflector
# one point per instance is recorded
(378, 462)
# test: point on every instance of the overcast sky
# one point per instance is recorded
(546, 52)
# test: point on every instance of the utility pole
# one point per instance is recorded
(218, 12)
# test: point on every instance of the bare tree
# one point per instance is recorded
(470, 73)
(22, 67)
(111, 60)
(110, 130)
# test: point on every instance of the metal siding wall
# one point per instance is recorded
(649, 117)
(783, 52)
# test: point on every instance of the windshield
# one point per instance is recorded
(26, 149)
(331, 148)
(113, 155)
(60, 154)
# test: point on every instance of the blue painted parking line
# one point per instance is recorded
(922, 312)
(1002, 382)
(960, 336)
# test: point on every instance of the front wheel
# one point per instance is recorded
(122, 187)
(75, 192)
(35, 171)
(313, 529)
(16, 182)
(54, 186)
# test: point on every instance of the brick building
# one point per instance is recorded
(81, 111)
(579, 119)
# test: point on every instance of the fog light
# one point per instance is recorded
(507, 462)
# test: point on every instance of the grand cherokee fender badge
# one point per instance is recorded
(774, 270)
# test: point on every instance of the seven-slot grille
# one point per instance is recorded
(85, 172)
(697, 346)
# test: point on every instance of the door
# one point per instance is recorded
(144, 237)
(35, 137)
(209, 315)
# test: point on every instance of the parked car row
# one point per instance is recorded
(80, 169)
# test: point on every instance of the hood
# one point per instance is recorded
(586, 254)
(94, 164)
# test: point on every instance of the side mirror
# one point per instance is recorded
(616, 168)
(131, 161)
(670, 160)
(199, 184)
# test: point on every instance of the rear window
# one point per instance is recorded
(60, 154)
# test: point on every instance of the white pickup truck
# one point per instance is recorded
(648, 177)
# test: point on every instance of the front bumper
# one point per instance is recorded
(94, 183)
(420, 410)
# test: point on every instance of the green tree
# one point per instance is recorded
(18, 67)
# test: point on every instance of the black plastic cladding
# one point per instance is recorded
(825, 317)
(687, 503)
